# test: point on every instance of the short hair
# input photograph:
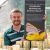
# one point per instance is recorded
(15, 11)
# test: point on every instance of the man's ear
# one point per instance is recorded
(22, 17)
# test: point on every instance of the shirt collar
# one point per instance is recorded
(22, 28)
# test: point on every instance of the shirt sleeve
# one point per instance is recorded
(6, 40)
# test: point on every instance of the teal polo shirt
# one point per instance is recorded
(11, 36)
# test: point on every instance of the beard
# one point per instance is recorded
(16, 22)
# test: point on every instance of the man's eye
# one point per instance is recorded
(18, 16)
(14, 17)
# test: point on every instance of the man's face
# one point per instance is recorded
(16, 18)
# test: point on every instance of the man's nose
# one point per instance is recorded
(16, 18)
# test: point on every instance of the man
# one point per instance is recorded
(16, 32)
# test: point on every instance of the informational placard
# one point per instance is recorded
(34, 10)
(34, 17)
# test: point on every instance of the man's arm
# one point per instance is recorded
(6, 40)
